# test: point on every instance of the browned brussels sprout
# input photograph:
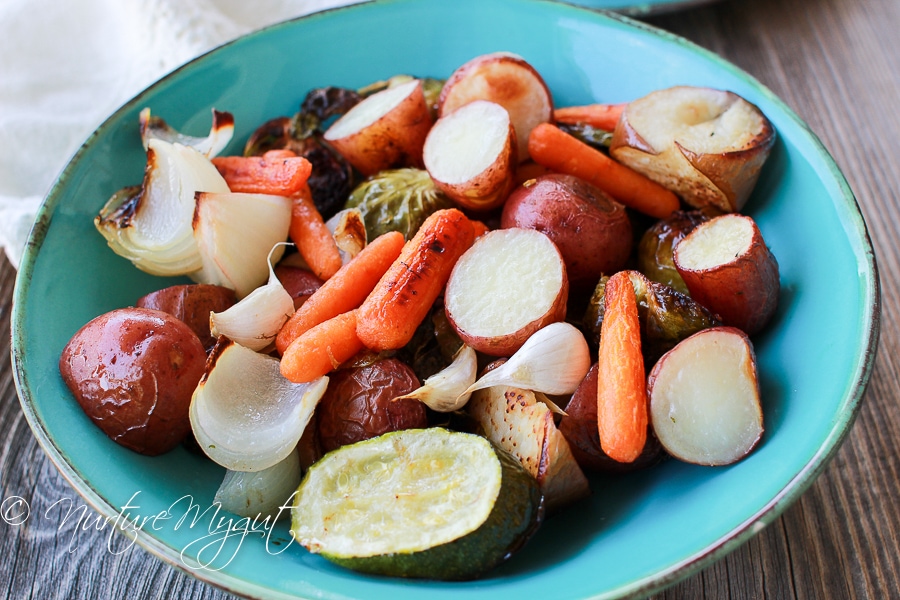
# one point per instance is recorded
(433, 345)
(397, 200)
(654, 256)
(667, 316)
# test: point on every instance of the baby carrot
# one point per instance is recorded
(621, 381)
(563, 153)
(313, 239)
(321, 349)
(601, 116)
(274, 173)
(346, 290)
(404, 295)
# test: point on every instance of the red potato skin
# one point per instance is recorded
(591, 230)
(192, 304)
(743, 292)
(395, 140)
(490, 188)
(579, 427)
(133, 372)
(300, 283)
(486, 83)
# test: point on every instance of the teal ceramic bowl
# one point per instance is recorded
(638, 533)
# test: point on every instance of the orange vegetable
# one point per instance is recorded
(404, 295)
(480, 228)
(273, 173)
(346, 290)
(321, 349)
(563, 153)
(622, 400)
(601, 116)
(314, 241)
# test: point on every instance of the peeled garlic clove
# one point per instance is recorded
(349, 232)
(553, 360)
(220, 133)
(152, 226)
(263, 493)
(258, 317)
(234, 233)
(446, 390)
(245, 415)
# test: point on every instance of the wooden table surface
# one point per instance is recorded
(837, 64)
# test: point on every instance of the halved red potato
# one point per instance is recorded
(509, 284)
(516, 421)
(706, 145)
(470, 155)
(384, 131)
(704, 398)
(508, 80)
(728, 268)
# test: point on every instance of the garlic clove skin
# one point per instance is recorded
(446, 390)
(152, 226)
(553, 360)
(244, 414)
(235, 233)
(261, 494)
(255, 321)
(220, 133)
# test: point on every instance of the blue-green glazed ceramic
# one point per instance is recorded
(637, 533)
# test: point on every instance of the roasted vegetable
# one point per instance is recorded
(397, 200)
(437, 504)
(666, 316)
(654, 256)
(192, 304)
(359, 405)
(132, 371)
(430, 86)
(592, 136)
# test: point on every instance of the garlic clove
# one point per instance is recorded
(255, 321)
(553, 360)
(446, 390)
(220, 133)
(234, 234)
(244, 414)
(152, 226)
(261, 494)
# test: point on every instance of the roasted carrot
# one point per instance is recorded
(601, 116)
(621, 381)
(402, 298)
(313, 239)
(563, 153)
(321, 349)
(479, 228)
(346, 290)
(275, 173)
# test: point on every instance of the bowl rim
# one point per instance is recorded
(850, 214)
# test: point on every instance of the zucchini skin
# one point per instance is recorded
(517, 514)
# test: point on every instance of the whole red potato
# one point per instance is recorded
(591, 230)
(133, 372)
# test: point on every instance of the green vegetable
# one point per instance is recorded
(666, 316)
(422, 503)
(592, 136)
(397, 200)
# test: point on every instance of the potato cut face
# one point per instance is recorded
(402, 492)
(506, 280)
(702, 120)
(466, 142)
(715, 242)
(704, 401)
(370, 110)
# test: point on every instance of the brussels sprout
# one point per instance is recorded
(666, 315)
(654, 256)
(433, 346)
(397, 200)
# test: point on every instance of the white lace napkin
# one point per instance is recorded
(66, 65)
